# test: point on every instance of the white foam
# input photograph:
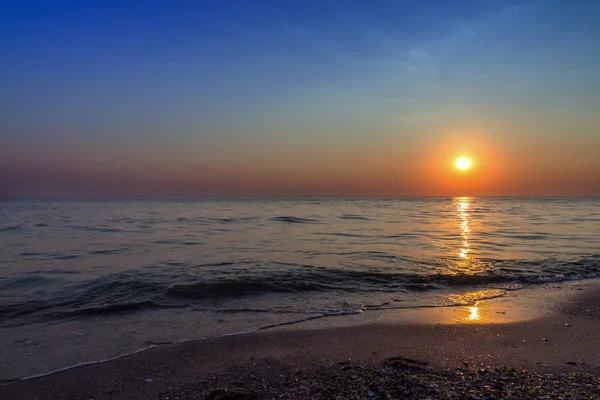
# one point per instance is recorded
(78, 365)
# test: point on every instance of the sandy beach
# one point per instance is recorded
(451, 355)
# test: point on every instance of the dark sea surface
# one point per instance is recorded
(82, 280)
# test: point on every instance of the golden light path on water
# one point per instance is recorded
(463, 204)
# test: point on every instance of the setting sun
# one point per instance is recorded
(463, 163)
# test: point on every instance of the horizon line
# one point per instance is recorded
(99, 197)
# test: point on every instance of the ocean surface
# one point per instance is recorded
(88, 279)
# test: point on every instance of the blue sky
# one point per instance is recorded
(182, 94)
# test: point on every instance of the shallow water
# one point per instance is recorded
(95, 278)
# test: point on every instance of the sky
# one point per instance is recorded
(299, 98)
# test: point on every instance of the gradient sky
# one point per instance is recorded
(308, 98)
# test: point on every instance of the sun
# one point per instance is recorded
(463, 163)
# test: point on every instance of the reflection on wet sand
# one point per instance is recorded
(478, 307)
(471, 305)
(474, 313)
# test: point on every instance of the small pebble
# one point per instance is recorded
(567, 325)
(148, 380)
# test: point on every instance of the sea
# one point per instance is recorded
(85, 280)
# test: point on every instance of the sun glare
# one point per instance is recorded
(463, 163)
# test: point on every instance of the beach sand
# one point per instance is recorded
(494, 351)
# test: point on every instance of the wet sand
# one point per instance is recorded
(562, 339)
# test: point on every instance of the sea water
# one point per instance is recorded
(89, 279)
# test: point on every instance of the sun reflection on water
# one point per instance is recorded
(462, 205)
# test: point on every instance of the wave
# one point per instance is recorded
(353, 217)
(201, 290)
(13, 228)
(95, 229)
(294, 220)
(231, 220)
(180, 286)
(178, 242)
(41, 256)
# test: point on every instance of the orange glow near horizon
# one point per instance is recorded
(465, 165)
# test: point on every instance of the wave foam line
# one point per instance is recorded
(238, 333)
(70, 367)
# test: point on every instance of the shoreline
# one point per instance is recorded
(514, 305)
(560, 341)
